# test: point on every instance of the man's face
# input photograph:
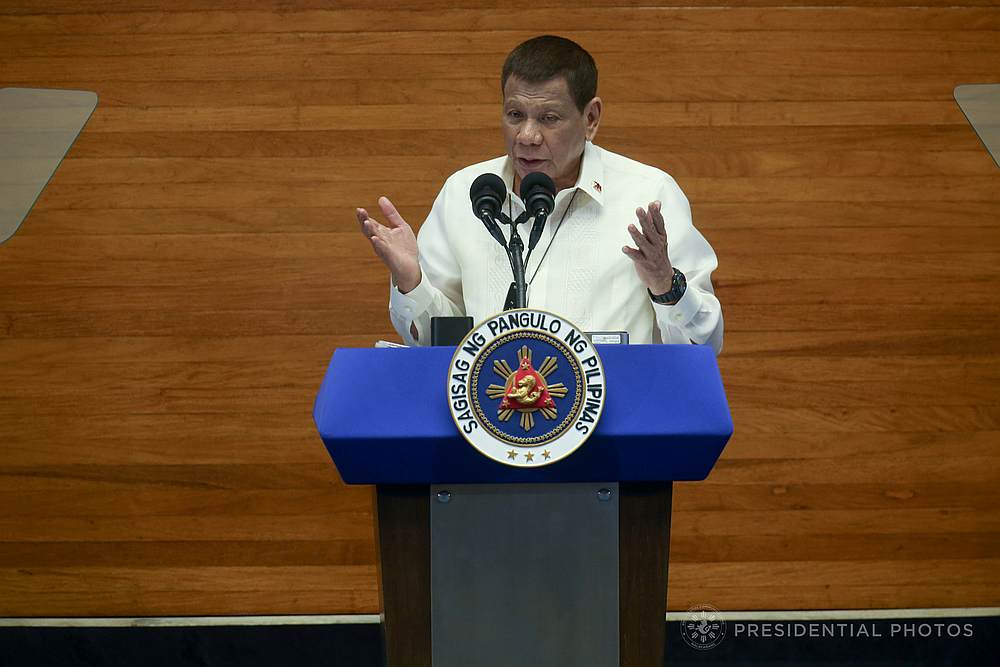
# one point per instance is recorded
(544, 131)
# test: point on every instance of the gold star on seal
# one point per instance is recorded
(547, 454)
(530, 456)
(512, 454)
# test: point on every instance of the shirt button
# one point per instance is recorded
(678, 316)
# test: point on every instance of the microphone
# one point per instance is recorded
(488, 193)
(539, 195)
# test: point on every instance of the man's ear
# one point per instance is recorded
(592, 112)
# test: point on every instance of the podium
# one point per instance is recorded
(484, 564)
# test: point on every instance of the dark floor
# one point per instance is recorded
(882, 642)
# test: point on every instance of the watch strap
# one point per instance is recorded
(677, 288)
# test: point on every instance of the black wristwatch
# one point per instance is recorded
(677, 288)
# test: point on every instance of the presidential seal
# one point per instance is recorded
(526, 388)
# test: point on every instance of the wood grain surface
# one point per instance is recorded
(169, 307)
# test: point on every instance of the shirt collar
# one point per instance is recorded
(590, 180)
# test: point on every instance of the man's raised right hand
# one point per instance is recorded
(394, 243)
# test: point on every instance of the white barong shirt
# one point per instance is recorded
(581, 274)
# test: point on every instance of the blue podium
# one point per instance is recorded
(486, 564)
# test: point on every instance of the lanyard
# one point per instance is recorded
(510, 214)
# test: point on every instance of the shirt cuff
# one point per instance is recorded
(412, 304)
(682, 312)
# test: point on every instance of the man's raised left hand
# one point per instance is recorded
(650, 254)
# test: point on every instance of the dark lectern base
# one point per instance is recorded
(404, 534)
(403, 515)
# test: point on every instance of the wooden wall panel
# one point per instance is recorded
(169, 307)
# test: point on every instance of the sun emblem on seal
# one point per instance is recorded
(525, 390)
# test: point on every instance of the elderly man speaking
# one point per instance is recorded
(618, 252)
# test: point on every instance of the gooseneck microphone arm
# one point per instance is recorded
(492, 227)
(539, 195)
(536, 233)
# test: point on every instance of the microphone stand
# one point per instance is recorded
(515, 253)
(517, 265)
